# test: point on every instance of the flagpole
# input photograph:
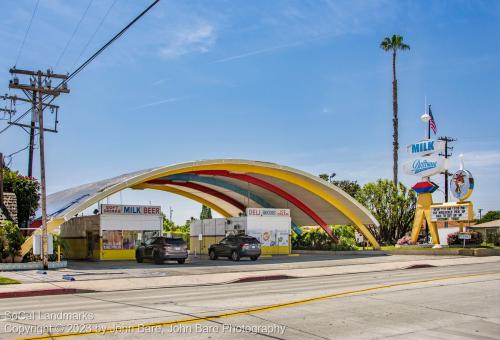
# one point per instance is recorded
(425, 112)
(429, 126)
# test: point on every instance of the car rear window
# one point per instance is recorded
(176, 241)
(249, 240)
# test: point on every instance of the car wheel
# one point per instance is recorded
(181, 261)
(138, 257)
(157, 258)
(235, 256)
(212, 255)
(254, 258)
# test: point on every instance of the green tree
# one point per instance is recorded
(393, 44)
(393, 206)
(206, 213)
(351, 187)
(13, 239)
(27, 192)
(492, 215)
(168, 225)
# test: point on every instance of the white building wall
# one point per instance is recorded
(131, 222)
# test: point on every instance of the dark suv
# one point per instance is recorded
(162, 248)
(235, 247)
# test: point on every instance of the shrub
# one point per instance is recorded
(13, 239)
(405, 240)
(497, 240)
(318, 239)
(476, 239)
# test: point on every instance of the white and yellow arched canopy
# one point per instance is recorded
(229, 186)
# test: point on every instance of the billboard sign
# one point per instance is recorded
(451, 212)
(425, 166)
(426, 147)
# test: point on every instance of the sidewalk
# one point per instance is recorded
(135, 283)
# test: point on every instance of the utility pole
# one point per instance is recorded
(32, 99)
(446, 154)
(171, 213)
(1, 182)
(40, 86)
(479, 210)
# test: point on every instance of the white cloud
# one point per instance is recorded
(163, 101)
(193, 40)
(482, 159)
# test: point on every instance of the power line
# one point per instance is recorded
(89, 60)
(74, 33)
(95, 32)
(119, 34)
(26, 33)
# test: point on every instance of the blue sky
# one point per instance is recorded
(301, 83)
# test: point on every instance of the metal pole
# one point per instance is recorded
(429, 128)
(1, 180)
(45, 248)
(32, 137)
(446, 177)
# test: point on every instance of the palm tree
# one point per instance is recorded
(393, 44)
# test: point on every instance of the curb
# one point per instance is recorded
(42, 292)
(262, 278)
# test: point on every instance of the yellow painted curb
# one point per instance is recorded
(131, 328)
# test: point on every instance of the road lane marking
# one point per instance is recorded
(131, 328)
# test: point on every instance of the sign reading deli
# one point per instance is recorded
(452, 212)
(426, 147)
(268, 212)
(119, 209)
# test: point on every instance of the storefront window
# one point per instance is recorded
(112, 239)
(126, 239)
(129, 239)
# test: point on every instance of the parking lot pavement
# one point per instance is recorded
(105, 270)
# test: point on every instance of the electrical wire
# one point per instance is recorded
(26, 33)
(74, 33)
(13, 154)
(95, 32)
(89, 60)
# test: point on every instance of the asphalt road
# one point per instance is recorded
(456, 302)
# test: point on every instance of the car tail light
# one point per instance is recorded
(244, 245)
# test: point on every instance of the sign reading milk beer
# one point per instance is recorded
(119, 209)
(425, 166)
(426, 147)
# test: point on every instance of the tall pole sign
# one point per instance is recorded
(428, 160)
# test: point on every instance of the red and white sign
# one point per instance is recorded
(118, 209)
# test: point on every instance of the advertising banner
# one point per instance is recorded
(426, 147)
(425, 166)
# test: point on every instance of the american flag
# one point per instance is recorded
(432, 122)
